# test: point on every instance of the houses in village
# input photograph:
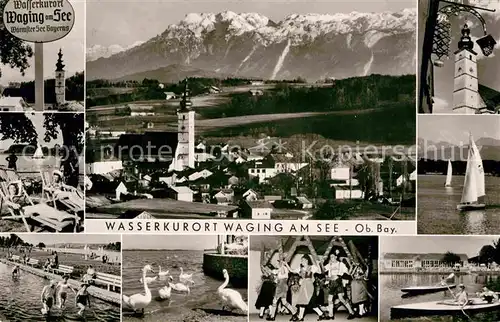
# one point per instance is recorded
(260, 181)
(394, 262)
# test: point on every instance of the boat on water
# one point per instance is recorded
(434, 308)
(474, 187)
(418, 290)
(448, 175)
(38, 152)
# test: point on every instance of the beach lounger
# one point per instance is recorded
(40, 214)
(74, 203)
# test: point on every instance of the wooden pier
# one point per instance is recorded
(99, 293)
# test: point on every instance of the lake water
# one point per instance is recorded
(20, 301)
(390, 294)
(35, 165)
(200, 305)
(437, 213)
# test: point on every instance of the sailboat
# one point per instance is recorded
(448, 175)
(38, 153)
(474, 187)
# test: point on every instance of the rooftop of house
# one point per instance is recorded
(490, 96)
(148, 144)
(11, 101)
(303, 200)
(182, 189)
(259, 204)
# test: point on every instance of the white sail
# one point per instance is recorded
(469, 194)
(448, 175)
(474, 175)
(38, 153)
(478, 168)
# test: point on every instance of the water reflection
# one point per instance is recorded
(391, 295)
(474, 221)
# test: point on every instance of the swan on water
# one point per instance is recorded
(166, 291)
(162, 274)
(185, 278)
(138, 302)
(231, 298)
(149, 280)
(179, 287)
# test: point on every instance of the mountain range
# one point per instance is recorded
(311, 46)
(489, 148)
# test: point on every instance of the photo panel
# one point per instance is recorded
(185, 278)
(458, 174)
(42, 172)
(458, 60)
(439, 278)
(60, 277)
(313, 278)
(43, 56)
(241, 115)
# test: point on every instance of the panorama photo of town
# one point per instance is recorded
(227, 110)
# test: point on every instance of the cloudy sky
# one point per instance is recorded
(469, 245)
(50, 239)
(198, 242)
(455, 128)
(73, 48)
(124, 22)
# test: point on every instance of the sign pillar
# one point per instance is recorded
(39, 81)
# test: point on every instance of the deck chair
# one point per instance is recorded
(40, 214)
(74, 206)
(15, 214)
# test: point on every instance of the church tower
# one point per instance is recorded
(465, 89)
(60, 81)
(185, 132)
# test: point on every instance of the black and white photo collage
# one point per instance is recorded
(250, 160)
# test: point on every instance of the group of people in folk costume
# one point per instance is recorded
(310, 288)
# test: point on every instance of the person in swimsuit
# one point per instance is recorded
(82, 298)
(90, 276)
(48, 296)
(461, 297)
(62, 291)
(15, 271)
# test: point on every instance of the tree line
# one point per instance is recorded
(347, 94)
(441, 166)
(12, 240)
(74, 90)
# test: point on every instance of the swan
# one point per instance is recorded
(179, 287)
(162, 275)
(185, 278)
(139, 301)
(148, 280)
(231, 298)
(166, 291)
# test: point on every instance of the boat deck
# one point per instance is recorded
(438, 308)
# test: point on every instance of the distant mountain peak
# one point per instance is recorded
(311, 46)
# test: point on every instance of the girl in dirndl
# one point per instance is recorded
(302, 297)
(281, 292)
(359, 289)
(267, 290)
